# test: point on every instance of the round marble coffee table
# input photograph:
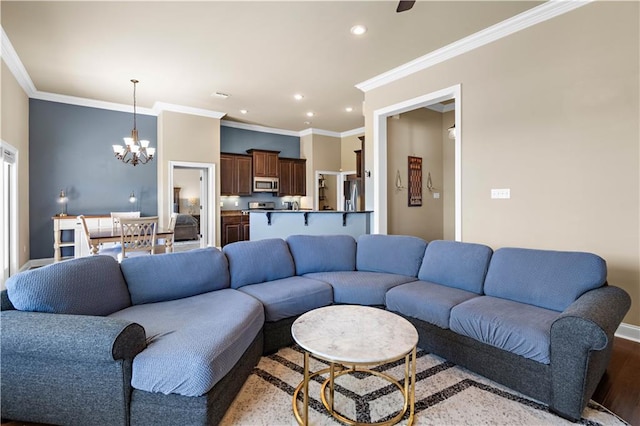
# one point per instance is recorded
(356, 336)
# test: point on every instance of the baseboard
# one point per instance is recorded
(35, 263)
(629, 332)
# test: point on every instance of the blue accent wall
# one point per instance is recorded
(70, 149)
(238, 141)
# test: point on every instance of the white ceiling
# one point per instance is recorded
(261, 53)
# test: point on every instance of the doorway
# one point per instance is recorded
(197, 201)
(379, 225)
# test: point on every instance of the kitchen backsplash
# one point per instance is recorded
(242, 203)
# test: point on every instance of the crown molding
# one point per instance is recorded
(320, 132)
(536, 15)
(91, 103)
(158, 107)
(258, 128)
(10, 57)
(354, 132)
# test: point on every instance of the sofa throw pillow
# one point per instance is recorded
(85, 286)
(322, 253)
(172, 276)
(393, 254)
(545, 278)
(456, 264)
(252, 262)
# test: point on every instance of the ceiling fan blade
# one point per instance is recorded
(405, 5)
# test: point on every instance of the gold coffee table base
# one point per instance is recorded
(407, 391)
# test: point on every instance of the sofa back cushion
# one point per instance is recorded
(252, 262)
(545, 278)
(456, 264)
(171, 276)
(84, 286)
(322, 253)
(393, 254)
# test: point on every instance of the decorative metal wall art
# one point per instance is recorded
(415, 181)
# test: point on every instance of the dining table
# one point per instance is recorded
(112, 235)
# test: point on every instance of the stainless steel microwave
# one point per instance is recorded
(265, 184)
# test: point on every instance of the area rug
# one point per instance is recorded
(446, 394)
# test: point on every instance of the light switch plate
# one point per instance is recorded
(436, 195)
(503, 193)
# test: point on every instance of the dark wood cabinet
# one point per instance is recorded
(265, 163)
(293, 177)
(234, 228)
(235, 174)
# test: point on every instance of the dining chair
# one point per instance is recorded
(137, 236)
(107, 251)
(115, 217)
(161, 243)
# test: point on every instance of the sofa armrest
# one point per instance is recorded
(70, 337)
(581, 341)
(83, 364)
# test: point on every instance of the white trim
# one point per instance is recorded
(165, 106)
(312, 131)
(536, 15)
(442, 108)
(37, 263)
(15, 65)
(91, 103)
(629, 332)
(257, 128)
(379, 225)
(354, 132)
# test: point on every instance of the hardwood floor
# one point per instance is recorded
(619, 389)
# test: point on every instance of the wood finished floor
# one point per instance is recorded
(619, 389)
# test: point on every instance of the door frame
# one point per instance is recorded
(379, 223)
(207, 197)
(9, 220)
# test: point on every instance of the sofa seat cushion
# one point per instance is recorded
(392, 254)
(85, 286)
(175, 275)
(290, 297)
(426, 301)
(360, 287)
(456, 264)
(545, 278)
(193, 342)
(515, 327)
(253, 262)
(322, 253)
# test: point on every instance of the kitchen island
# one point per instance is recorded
(282, 223)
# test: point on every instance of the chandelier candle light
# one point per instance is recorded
(134, 150)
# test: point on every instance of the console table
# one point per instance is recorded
(79, 243)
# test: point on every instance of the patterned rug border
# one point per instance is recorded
(362, 406)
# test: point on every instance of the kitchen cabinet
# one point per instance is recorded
(293, 177)
(235, 174)
(265, 163)
(234, 228)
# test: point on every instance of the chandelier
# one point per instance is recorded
(134, 151)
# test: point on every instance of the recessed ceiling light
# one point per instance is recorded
(310, 114)
(243, 111)
(348, 109)
(358, 29)
(220, 95)
(298, 97)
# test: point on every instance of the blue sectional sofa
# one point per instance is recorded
(170, 339)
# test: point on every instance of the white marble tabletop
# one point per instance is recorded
(354, 334)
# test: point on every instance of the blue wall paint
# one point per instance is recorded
(70, 149)
(238, 141)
